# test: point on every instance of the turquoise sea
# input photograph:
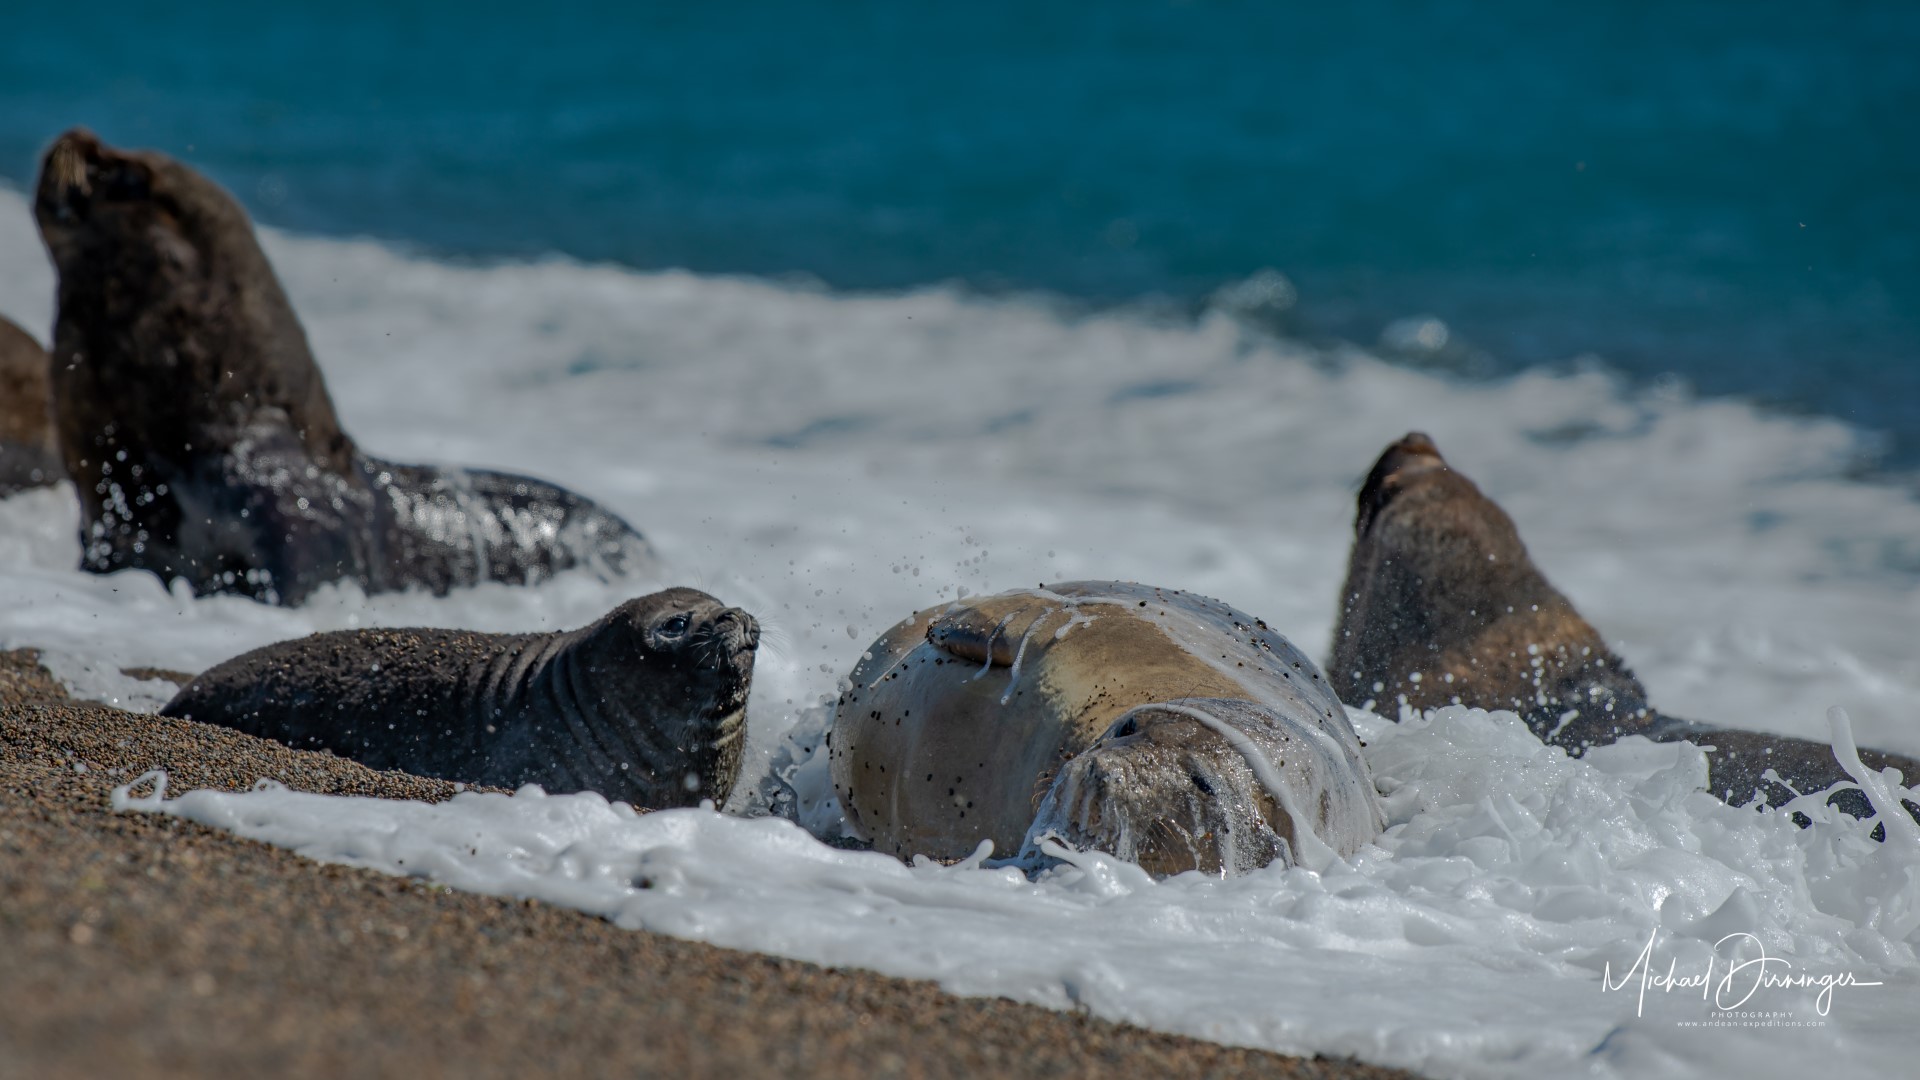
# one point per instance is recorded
(1721, 194)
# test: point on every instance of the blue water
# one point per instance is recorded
(1723, 191)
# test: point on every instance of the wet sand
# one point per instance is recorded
(141, 944)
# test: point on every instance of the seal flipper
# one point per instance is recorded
(994, 633)
(1748, 766)
(975, 635)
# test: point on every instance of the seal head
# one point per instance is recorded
(1216, 785)
(1443, 605)
(672, 672)
(163, 284)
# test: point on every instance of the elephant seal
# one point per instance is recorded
(196, 426)
(1443, 605)
(1164, 728)
(28, 457)
(647, 704)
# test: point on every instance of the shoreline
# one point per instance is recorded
(143, 940)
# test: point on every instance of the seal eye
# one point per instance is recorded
(125, 182)
(675, 626)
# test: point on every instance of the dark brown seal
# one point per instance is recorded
(647, 705)
(28, 457)
(1443, 605)
(196, 426)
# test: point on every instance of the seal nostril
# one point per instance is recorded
(1126, 727)
(1201, 783)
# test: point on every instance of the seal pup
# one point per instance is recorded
(195, 424)
(28, 457)
(1164, 728)
(1443, 605)
(647, 704)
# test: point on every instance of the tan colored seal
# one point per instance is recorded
(1165, 728)
(28, 456)
(1443, 605)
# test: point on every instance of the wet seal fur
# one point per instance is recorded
(195, 424)
(1443, 605)
(646, 705)
(28, 455)
(1161, 727)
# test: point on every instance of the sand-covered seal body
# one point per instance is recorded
(195, 424)
(647, 705)
(29, 457)
(965, 721)
(1443, 605)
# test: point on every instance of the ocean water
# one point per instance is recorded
(1696, 190)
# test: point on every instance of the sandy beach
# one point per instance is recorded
(139, 942)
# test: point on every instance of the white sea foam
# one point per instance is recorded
(833, 462)
(1473, 940)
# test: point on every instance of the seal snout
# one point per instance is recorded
(64, 177)
(1413, 455)
(1142, 802)
(80, 170)
(734, 632)
(1089, 802)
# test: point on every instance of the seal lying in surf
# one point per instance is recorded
(1442, 605)
(1164, 728)
(28, 457)
(196, 426)
(647, 705)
